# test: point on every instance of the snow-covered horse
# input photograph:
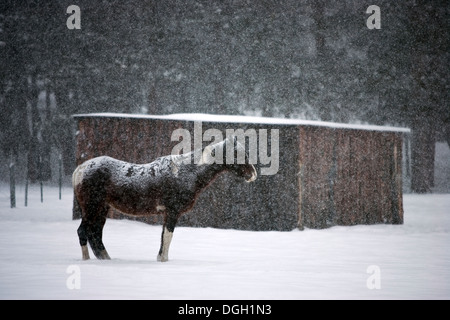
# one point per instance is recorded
(169, 185)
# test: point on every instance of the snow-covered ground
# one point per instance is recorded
(40, 257)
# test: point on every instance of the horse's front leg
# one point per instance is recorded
(170, 220)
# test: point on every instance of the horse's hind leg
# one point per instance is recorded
(82, 235)
(95, 235)
(92, 232)
(91, 198)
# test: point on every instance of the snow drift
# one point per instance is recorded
(40, 256)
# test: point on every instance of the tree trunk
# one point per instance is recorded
(319, 16)
(33, 149)
(423, 150)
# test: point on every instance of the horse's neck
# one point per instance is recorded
(207, 173)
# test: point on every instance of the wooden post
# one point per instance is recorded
(40, 179)
(407, 155)
(42, 191)
(60, 175)
(26, 187)
(12, 185)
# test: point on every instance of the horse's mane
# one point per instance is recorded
(204, 154)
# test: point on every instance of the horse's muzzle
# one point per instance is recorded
(253, 176)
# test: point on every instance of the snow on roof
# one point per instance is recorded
(244, 119)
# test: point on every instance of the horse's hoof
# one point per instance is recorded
(104, 255)
(85, 253)
(162, 259)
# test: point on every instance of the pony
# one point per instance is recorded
(170, 185)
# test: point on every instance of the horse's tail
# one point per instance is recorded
(76, 177)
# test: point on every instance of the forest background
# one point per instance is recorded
(305, 59)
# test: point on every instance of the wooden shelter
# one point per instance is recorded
(329, 174)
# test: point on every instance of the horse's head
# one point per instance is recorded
(232, 155)
(245, 170)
